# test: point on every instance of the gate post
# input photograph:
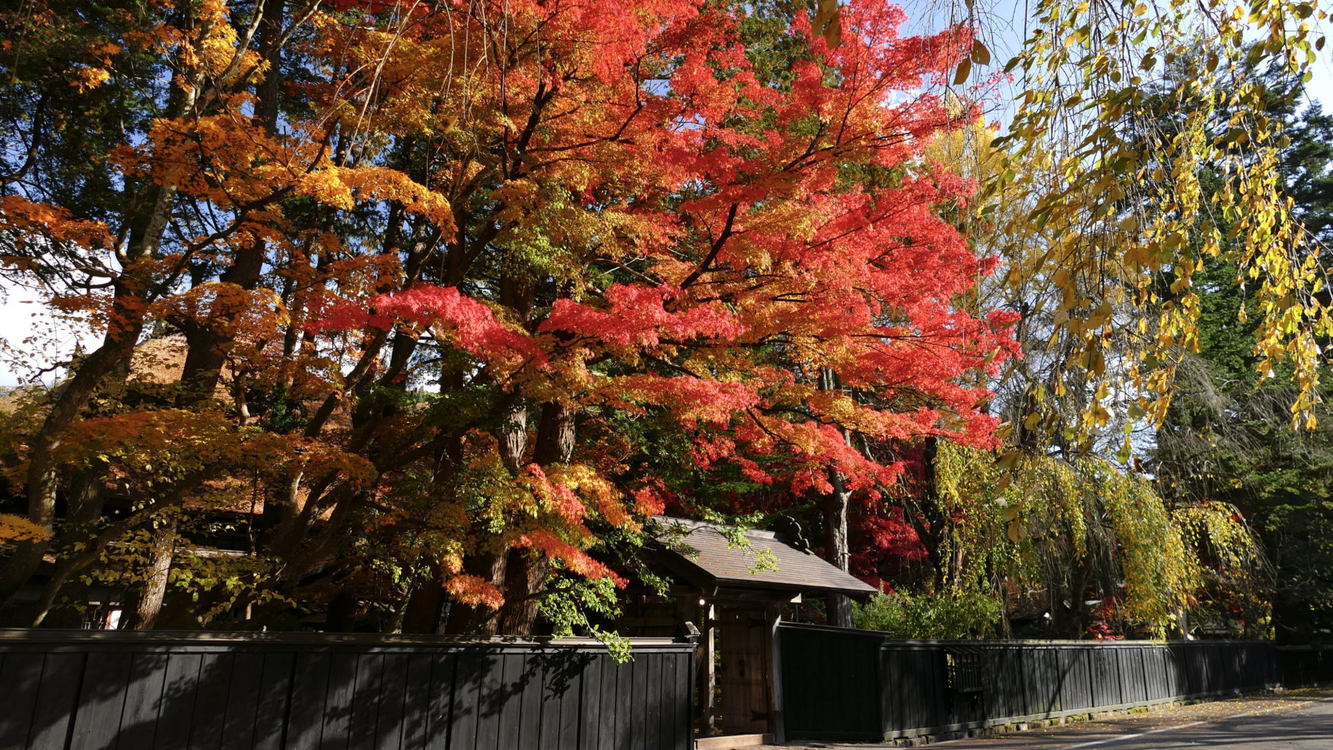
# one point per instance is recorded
(777, 723)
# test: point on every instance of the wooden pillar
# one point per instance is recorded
(706, 672)
(776, 725)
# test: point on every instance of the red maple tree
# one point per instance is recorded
(534, 268)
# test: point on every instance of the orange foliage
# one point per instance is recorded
(505, 275)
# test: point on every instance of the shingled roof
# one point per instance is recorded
(705, 557)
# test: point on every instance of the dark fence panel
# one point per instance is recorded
(861, 685)
(833, 692)
(140, 691)
(1305, 666)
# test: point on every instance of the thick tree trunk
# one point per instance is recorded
(555, 435)
(465, 619)
(526, 571)
(513, 437)
(425, 605)
(142, 609)
(839, 606)
(516, 294)
(931, 526)
(525, 576)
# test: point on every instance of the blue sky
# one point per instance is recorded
(1004, 27)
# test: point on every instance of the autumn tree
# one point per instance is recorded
(1130, 144)
(432, 306)
(463, 291)
(1226, 438)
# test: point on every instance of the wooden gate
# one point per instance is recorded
(744, 675)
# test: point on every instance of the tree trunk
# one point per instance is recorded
(425, 605)
(142, 609)
(208, 341)
(513, 437)
(524, 579)
(555, 435)
(839, 606)
(932, 529)
(466, 619)
(526, 571)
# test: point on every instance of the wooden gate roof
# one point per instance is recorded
(704, 556)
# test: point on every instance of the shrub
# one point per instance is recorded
(939, 616)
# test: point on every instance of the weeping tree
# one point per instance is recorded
(1054, 534)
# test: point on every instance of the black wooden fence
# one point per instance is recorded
(840, 684)
(1305, 666)
(132, 691)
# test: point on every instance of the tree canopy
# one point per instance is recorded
(413, 315)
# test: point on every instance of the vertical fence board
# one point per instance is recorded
(339, 695)
(18, 694)
(140, 691)
(176, 714)
(365, 702)
(416, 701)
(653, 718)
(101, 700)
(57, 699)
(610, 685)
(143, 700)
(922, 687)
(624, 736)
(684, 701)
(530, 703)
(271, 708)
(591, 716)
(210, 701)
(467, 701)
(238, 724)
(441, 701)
(392, 712)
(493, 703)
(310, 684)
(641, 697)
(507, 701)
(665, 738)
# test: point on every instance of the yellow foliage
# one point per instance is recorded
(1029, 515)
(1127, 207)
(19, 529)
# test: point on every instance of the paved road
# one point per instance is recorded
(1295, 722)
(1299, 720)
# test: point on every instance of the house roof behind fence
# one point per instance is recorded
(762, 561)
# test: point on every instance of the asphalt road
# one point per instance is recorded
(1299, 721)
